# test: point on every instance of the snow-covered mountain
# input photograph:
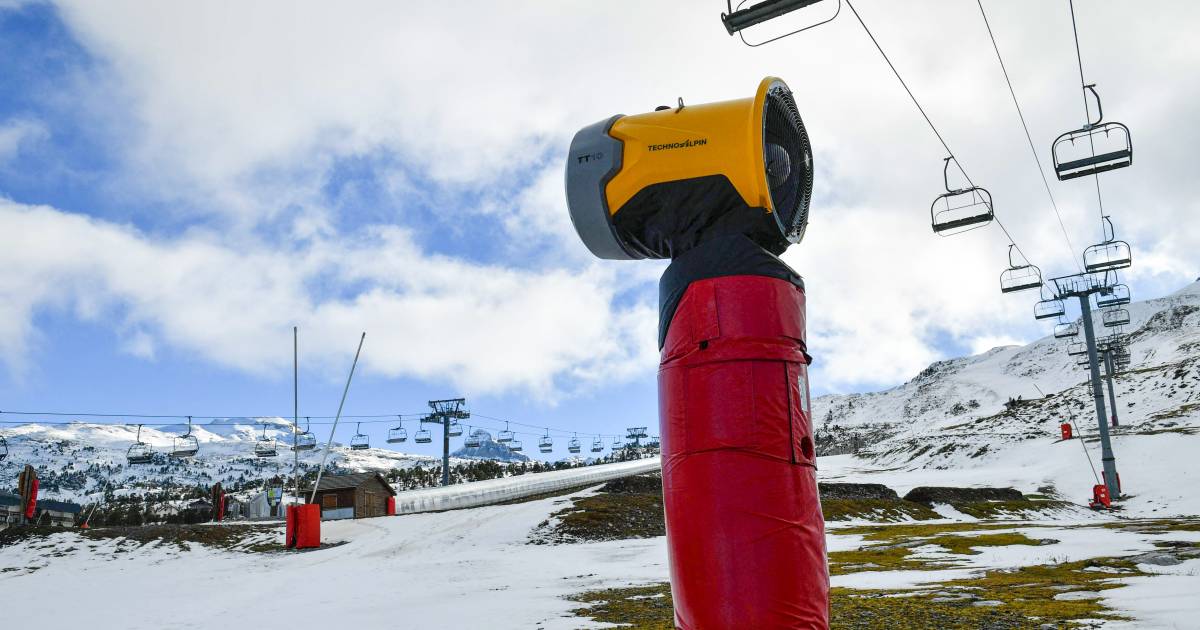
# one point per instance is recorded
(490, 450)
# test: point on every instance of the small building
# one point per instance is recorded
(356, 495)
(48, 512)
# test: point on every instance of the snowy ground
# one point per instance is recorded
(474, 569)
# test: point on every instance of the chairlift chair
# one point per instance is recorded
(3, 448)
(574, 446)
(455, 428)
(1049, 309)
(1118, 297)
(653, 442)
(305, 440)
(185, 445)
(139, 452)
(1019, 277)
(1077, 349)
(1114, 317)
(505, 435)
(617, 444)
(546, 443)
(474, 439)
(1109, 255)
(1066, 330)
(397, 434)
(597, 445)
(738, 19)
(515, 446)
(1074, 152)
(960, 209)
(265, 447)
(359, 442)
(423, 436)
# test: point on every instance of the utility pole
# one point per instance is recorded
(445, 412)
(1083, 286)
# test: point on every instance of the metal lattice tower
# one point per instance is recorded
(443, 412)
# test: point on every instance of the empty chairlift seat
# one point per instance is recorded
(1049, 309)
(423, 436)
(505, 436)
(1066, 330)
(397, 435)
(597, 445)
(474, 439)
(455, 428)
(546, 444)
(574, 446)
(185, 445)
(1114, 317)
(265, 447)
(305, 440)
(960, 209)
(515, 446)
(139, 452)
(1110, 255)
(1019, 277)
(360, 441)
(1094, 148)
(1077, 349)
(1118, 297)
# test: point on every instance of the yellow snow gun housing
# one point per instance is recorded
(655, 185)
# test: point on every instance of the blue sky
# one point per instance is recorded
(180, 185)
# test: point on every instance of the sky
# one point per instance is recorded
(181, 184)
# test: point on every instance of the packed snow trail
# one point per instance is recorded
(493, 491)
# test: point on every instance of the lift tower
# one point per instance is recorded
(445, 412)
(1083, 286)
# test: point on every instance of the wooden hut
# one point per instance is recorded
(356, 495)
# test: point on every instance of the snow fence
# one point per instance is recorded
(475, 494)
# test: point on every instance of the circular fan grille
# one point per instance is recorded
(790, 178)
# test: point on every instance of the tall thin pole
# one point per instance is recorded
(338, 417)
(445, 449)
(296, 409)
(1107, 459)
(1109, 374)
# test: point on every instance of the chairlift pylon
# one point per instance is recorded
(185, 445)
(546, 443)
(505, 435)
(1110, 255)
(397, 434)
(737, 20)
(1074, 152)
(265, 447)
(360, 441)
(1019, 277)
(305, 440)
(960, 209)
(139, 452)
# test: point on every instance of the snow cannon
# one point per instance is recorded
(721, 189)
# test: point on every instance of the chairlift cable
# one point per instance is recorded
(1086, 115)
(1085, 451)
(1028, 136)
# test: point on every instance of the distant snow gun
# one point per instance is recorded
(721, 189)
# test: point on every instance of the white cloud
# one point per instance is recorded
(16, 133)
(241, 109)
(484, 328)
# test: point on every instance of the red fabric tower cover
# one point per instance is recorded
(1066, 431)
(745, 534)
(31, 506)
(391, 506)
(289, 536)
(308, 526)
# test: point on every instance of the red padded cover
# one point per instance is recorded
(745, 534)
(1066, 430)
(31, 507)
(308, 526)
(391, 506)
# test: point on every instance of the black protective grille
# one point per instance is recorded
(782, 126)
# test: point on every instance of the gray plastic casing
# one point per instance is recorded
(593, 160)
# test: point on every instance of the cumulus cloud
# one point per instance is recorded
(242, 110)
(484, 328)
(18, 132)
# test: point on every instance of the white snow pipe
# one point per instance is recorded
(491, 491)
